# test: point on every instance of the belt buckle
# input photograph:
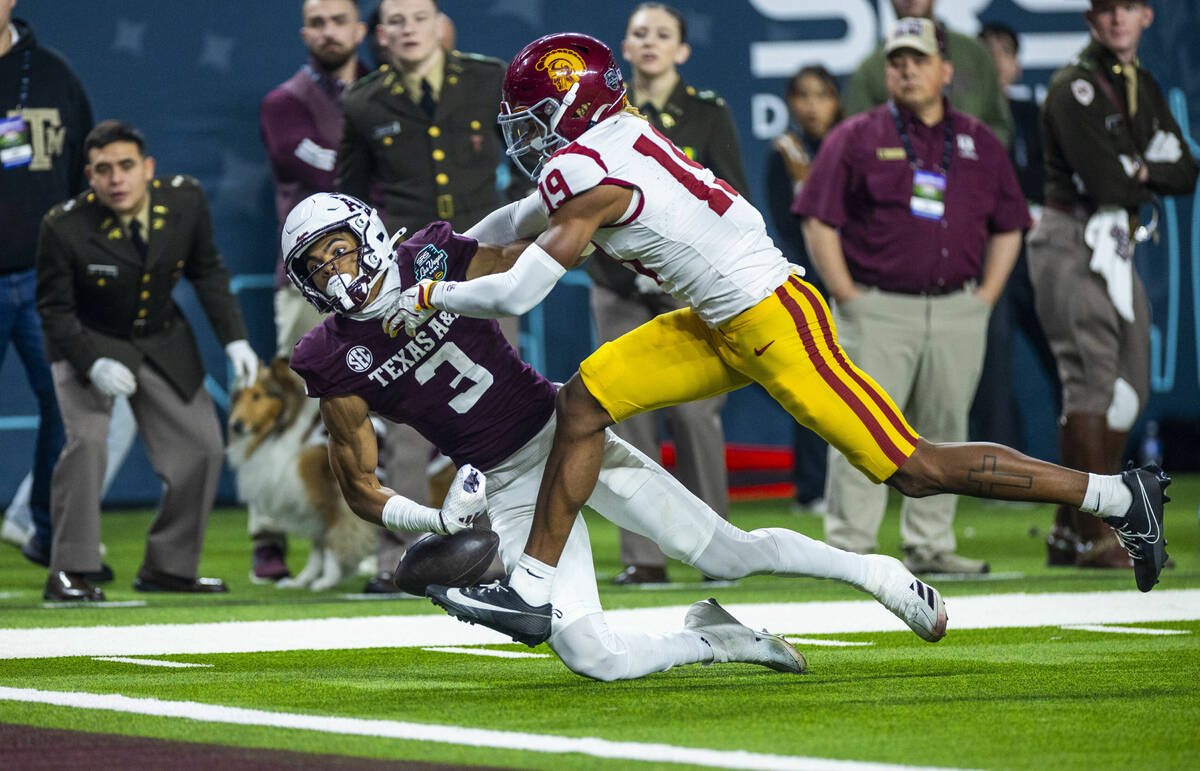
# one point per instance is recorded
(445, 206)
(139, 328)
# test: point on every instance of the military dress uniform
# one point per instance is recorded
(417, 167)
(699, 123)
(99, 296)
(1102, 121)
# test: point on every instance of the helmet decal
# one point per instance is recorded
(612, 79)
(564, 67)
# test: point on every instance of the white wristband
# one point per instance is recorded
(399, 513)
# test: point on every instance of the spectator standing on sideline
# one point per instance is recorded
(301, 125)
(107, 261)
(996, 416)
(973, 91)
(913, 216)
(1111, 146)
(814, 108)
(419, 142)
(44, 117)
(699, 123)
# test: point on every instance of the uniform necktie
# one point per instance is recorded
(135, 237)
(428, 104)
(1131, 91)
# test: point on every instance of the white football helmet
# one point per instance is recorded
(321, 214)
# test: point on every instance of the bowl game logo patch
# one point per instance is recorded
(430, 262)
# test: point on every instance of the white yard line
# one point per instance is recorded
(148, 662)
(1124, 629)
(96, 605)
(820, 642)
(803, 619)
(488, 652)
(445, 734)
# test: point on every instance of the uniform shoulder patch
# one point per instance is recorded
(708, 95)
(69, 205)
(1083, 91)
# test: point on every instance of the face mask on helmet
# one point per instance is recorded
(555, 89)
(320, 215)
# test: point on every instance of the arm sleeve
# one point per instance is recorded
(524, 218)
(1177, 177)
(56, 302)
(726, 154)
(512, 293)
(1010, 211)
(1088, 147)
(824, 193)
(291, 138)
(352, 172)
(209, 277)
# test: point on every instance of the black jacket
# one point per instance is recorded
(1085, 133)
(59, 117)
(418, 169)
(98, 297)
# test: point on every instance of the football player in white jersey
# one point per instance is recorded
(606, 179)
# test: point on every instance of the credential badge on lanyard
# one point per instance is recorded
(929, 194)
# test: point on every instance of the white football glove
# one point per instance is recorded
(244, 361)
(410, 310)
(112, 377)
(466, 500)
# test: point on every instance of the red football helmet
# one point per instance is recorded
(556, 88)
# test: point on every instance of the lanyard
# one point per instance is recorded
(947, 144)
(24, 81)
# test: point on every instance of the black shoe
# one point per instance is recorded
(641, 574)
(62, 586)
(496, 606)
(33, 551)
(381, 584)
(154, 581)
(1141, 529)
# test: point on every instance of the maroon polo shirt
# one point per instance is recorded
(861, 183)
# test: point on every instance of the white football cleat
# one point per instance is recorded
(914, 602)
(732, 641)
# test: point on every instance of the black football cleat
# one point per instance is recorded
(1141, 529)
(496, 606)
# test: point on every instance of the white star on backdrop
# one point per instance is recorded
(217, 52)
(528, 11)
(129, 36)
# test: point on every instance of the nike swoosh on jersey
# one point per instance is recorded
(761, 351)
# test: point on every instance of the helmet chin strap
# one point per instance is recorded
(567, 101)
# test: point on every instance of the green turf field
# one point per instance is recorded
(1008, 697)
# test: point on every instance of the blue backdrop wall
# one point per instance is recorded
(191, 75)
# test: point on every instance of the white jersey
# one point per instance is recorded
(691, 232)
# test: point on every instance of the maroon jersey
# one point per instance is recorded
(457, 382)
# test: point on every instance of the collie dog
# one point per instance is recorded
(278, 449)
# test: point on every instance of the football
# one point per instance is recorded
(449, 560)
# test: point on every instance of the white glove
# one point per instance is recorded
(410, 309)
(112, 377)
(244, 361)
(1164, 147)
(466, 500)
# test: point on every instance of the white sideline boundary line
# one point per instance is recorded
(802, 619)
(487, 652)
(1124, 629)
(446, 734)
(148, 662)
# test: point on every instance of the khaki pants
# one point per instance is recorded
(926, 353)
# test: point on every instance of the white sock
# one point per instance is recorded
(1106, 496)
(532, 579)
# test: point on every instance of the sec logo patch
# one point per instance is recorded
(359, 358)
